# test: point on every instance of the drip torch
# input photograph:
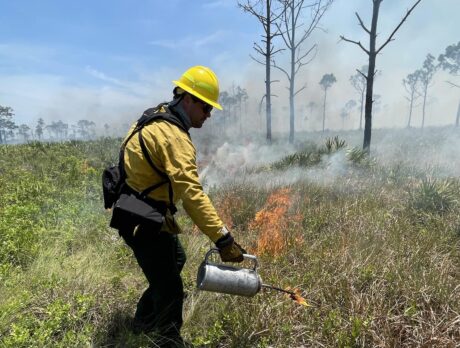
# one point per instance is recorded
(223, 278)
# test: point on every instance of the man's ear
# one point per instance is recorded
(187, 99)
(186, 102)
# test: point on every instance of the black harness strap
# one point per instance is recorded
(163, 175)
(151, 115)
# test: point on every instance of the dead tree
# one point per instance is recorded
(326, 82)
(358, 82)
(289, 26)
(411, 83)
(372, 52)
(450, 61)
(425, 76)
(263, 11)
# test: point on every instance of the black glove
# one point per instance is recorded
(229, 250)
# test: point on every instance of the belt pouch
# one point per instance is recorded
(130, 211)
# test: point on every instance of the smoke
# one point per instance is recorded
(232, 160)
(433, 151)
(249, 164)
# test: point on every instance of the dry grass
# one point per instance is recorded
(375, 273)
(375, 251)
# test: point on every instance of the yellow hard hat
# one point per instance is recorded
(201, 82)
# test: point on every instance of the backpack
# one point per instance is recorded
(114, 177)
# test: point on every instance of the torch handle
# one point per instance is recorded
(253, 258)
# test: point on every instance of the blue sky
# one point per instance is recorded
(109, 60)
(106, 35)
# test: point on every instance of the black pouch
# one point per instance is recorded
(130, 211)
(111, 185)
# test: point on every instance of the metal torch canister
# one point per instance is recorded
(228, 279)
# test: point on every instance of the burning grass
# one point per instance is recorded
(295, 294)
(271, 223)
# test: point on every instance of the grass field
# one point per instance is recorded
(372, 244)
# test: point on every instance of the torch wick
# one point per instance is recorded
(278, 289)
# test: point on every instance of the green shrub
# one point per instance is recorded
(59, 324)
(333, 145)
(433, 195)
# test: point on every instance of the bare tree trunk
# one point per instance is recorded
(410, 109)
(268, 107)
(370, 78)
(291, 113)
(292, 85)
(425, 92)
(268, 104)
(361, 111)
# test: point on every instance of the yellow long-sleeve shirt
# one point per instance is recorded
(173, 153)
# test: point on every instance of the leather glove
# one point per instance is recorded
(229, 250)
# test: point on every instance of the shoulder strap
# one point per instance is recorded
(152, 114)
(147, 157)
(147, 117)
(163, 175)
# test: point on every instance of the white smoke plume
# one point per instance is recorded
(434, 151)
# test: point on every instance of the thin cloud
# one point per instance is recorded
(191, 42)
(101, 76)
(168, 43)
(218, 36)
(219, 4)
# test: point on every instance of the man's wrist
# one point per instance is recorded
(225, 240)
(224, 230)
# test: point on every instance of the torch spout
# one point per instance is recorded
(278, 289)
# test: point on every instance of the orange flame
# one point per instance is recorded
(296, 296)
(271, 221)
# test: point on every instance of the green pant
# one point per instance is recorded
(161, 257)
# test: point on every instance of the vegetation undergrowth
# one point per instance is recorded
(373, 247)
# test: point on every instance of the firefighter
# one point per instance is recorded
(158, 251)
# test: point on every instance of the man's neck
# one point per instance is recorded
(179, 111)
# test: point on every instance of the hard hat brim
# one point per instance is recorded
(198, 95)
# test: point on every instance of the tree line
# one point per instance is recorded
(10, 131)
(287, 27)
(417, 83)
(234, 101)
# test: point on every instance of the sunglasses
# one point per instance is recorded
(206, 107)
